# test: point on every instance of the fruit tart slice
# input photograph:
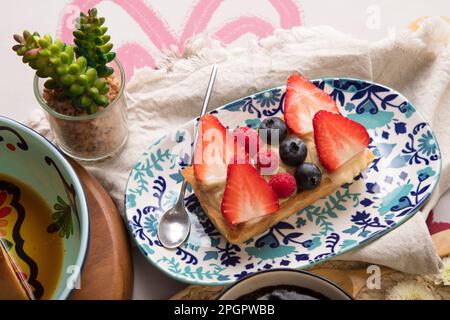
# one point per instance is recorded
(245, 188)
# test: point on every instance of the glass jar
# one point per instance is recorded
(92, 137)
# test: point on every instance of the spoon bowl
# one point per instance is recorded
(174, 226)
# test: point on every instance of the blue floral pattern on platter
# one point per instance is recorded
(401, 178)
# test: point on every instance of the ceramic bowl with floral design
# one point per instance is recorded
(44, 221)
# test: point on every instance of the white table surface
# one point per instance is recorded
(366, 19)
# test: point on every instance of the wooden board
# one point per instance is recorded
(350, 280)
(107, 273)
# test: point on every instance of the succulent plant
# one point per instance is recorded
(92, 42)
(69, 74)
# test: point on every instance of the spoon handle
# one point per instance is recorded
(212, 79)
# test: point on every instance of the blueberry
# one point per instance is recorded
(308, 176)
(293, 151)
(272, 124)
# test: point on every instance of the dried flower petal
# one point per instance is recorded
(442, 278)
(446, 273)
(410, 290)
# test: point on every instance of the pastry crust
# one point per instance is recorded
(244, 231)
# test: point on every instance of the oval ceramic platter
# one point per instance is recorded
(404, 173)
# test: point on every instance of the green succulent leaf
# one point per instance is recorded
(86, 101)
(101, 100)
(74, 69)
(99, 84)
(91, 74)
(64, 57)
(92, 109)
(67, 80)
(76, 89)
(78, 34)
(105, 71)
(92, 42)
(104, 90)
(51, 84)
(62, 69)
(43, 43)
(83, 80)
(55, 61)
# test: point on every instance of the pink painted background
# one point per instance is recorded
(134, 55)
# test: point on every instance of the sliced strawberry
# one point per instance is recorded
(303, 101)
(240, 156)
(338, 139)
(247, 195)
(213, 152)
(248, 138)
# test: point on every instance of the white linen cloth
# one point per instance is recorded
(414, 63)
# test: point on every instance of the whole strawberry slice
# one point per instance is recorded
(303, 100)
(213, 152)
(247, 195)
(338, 139)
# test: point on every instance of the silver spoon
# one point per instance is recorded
(175, 225)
